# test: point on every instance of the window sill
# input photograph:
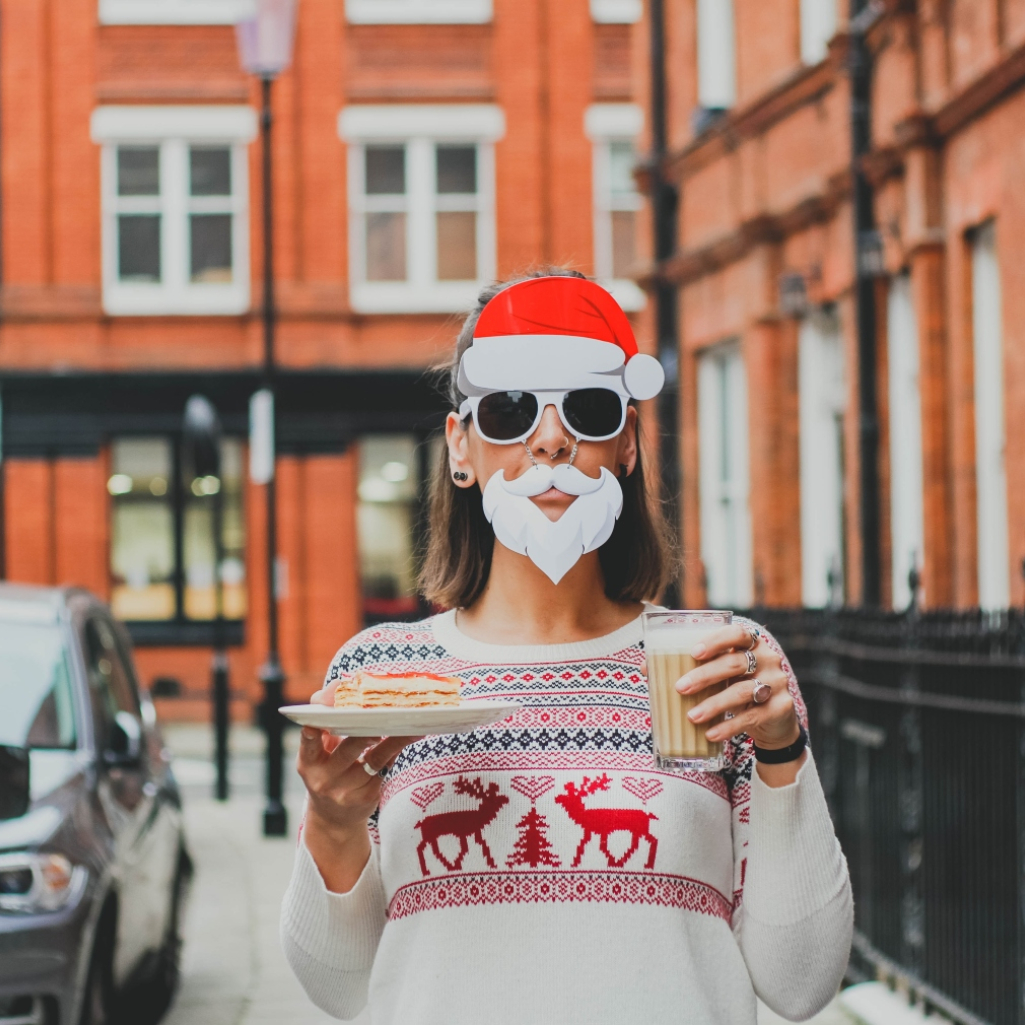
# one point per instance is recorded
(418, 12)
(182, 634)
(143, 301)
(171, 12)
(628, 294)
(616, 12)
(443, 297)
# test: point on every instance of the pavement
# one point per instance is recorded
(234, 971)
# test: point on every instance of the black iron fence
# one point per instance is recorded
(918, 728)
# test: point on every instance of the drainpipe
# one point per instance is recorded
(664, 200)
(868, 266)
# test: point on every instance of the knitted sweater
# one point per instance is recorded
(580, 884)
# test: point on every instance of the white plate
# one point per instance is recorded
(400, 722)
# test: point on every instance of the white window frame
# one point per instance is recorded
(418, 12)
(174, 129)
(994, 559)
(822, 400)
(420, 128)
(907, 517)
(717, 54)
(616, 12)
(818, 26)
(722, 414)
(172, 12)
(604, 124)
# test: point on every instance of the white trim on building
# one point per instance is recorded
(616, 12)
(818, 26)
(821, 399)
(172, 12)
(418, 12)
(419, 130)
(175, 208)
(990, 428)
(717, 58)
(726, 543)
(907, 520)
(613, 129)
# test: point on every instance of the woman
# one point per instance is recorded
(577, 883)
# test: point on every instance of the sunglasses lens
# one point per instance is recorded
(595, 412)
(505, 415)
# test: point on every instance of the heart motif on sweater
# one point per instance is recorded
(645, 789)
(533, 786)
(423, 796)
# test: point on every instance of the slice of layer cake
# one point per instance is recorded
(397, 690)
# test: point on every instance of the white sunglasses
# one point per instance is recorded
(509, 417)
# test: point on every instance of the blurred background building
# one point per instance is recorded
(774, 415)
(421, 148)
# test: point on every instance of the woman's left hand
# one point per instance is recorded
(723, 655)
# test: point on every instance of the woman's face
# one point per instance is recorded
(550, 444)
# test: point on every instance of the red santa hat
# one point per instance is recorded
(556, 333)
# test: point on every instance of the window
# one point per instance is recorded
(907, 528)
(990, 430)
(612, 127)
(818, 26)
(421, 189)
(616, 12)
(162, 553)
(717, 74)
(389, 473)
(175, 226)
(821, 409)
(418, 12)
(172, 12)
(725, 515)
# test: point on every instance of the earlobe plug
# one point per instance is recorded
(459, 475)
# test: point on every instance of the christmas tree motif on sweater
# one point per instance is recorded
(461, 824)
(603, 822)
(533, 847)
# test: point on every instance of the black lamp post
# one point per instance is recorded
(201, 429)
(265, 49)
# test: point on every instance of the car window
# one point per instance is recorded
(110, 685)
(36, 693)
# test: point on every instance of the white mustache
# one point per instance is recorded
(538, 479)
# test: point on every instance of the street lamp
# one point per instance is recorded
(265, 49)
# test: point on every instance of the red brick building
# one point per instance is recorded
(421, 148)
(759, 127)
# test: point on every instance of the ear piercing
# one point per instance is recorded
(459, 475)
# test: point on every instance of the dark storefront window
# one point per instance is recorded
(389, 476)
(162, 552)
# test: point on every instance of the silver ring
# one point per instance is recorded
(755, 633)
(760, 692)
(367, 769)
(752, 663)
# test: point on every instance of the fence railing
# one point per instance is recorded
(918, 728)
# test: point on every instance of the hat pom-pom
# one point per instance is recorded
(643, 376)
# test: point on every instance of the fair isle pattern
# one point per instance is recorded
(588, 717)
(560, 888)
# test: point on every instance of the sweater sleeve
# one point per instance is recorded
(331, 939)
(797, 916)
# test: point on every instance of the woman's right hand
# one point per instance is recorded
(342, 796)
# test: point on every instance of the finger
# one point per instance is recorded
(325, 696)
(643, 667)
(776, 716)
(726, 667)
(311, 745)
(733, 636)
(733, 699)
(347, 753)
(380, 756)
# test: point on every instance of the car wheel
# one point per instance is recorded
(98, 999)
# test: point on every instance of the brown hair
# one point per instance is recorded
(636, 561)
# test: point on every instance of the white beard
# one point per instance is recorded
(553, 546)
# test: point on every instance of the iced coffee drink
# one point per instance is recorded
(669, 638)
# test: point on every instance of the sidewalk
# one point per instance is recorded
(234, 972)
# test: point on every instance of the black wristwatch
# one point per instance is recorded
(780, 755)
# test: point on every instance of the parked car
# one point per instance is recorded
(94, 865)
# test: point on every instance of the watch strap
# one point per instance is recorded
(781, 755)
